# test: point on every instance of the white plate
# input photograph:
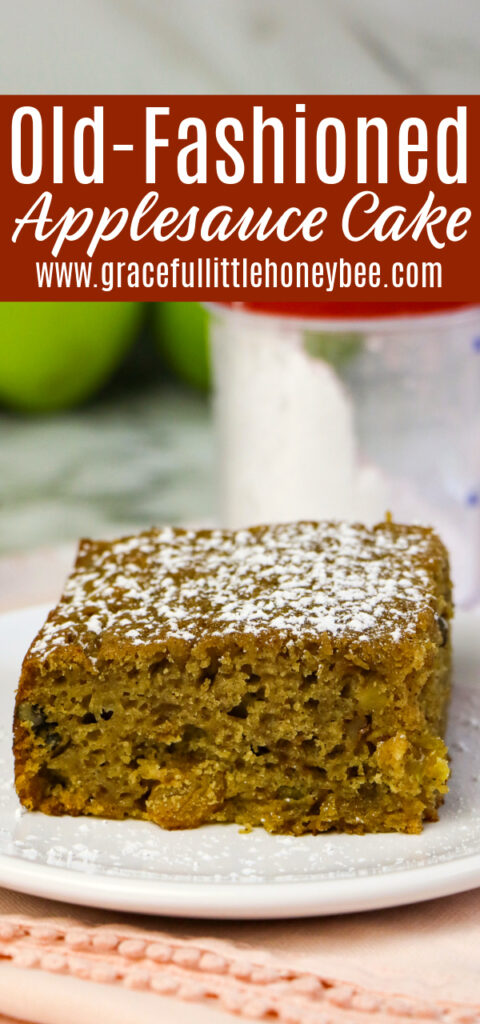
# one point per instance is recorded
(215, 871)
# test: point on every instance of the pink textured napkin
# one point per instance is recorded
(419, 963)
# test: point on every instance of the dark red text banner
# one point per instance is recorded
(228, 198)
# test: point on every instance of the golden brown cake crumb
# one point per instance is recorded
(292, 676)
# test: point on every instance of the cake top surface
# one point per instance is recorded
(298, 580)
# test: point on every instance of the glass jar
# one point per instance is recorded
(347, 411)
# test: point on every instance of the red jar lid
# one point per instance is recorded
(345, 310)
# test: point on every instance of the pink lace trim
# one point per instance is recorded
(188, 971)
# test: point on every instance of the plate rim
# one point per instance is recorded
(242, 900)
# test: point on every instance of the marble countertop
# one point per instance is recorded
(127, 461)
(273, 46)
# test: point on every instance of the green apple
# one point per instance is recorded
(54, 355)
(181, 333)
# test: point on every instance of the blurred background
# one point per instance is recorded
(105, 418)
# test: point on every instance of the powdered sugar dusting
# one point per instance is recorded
(297, 579)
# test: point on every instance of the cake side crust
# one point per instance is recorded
(281, 722)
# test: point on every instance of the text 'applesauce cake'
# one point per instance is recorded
(292, 676)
